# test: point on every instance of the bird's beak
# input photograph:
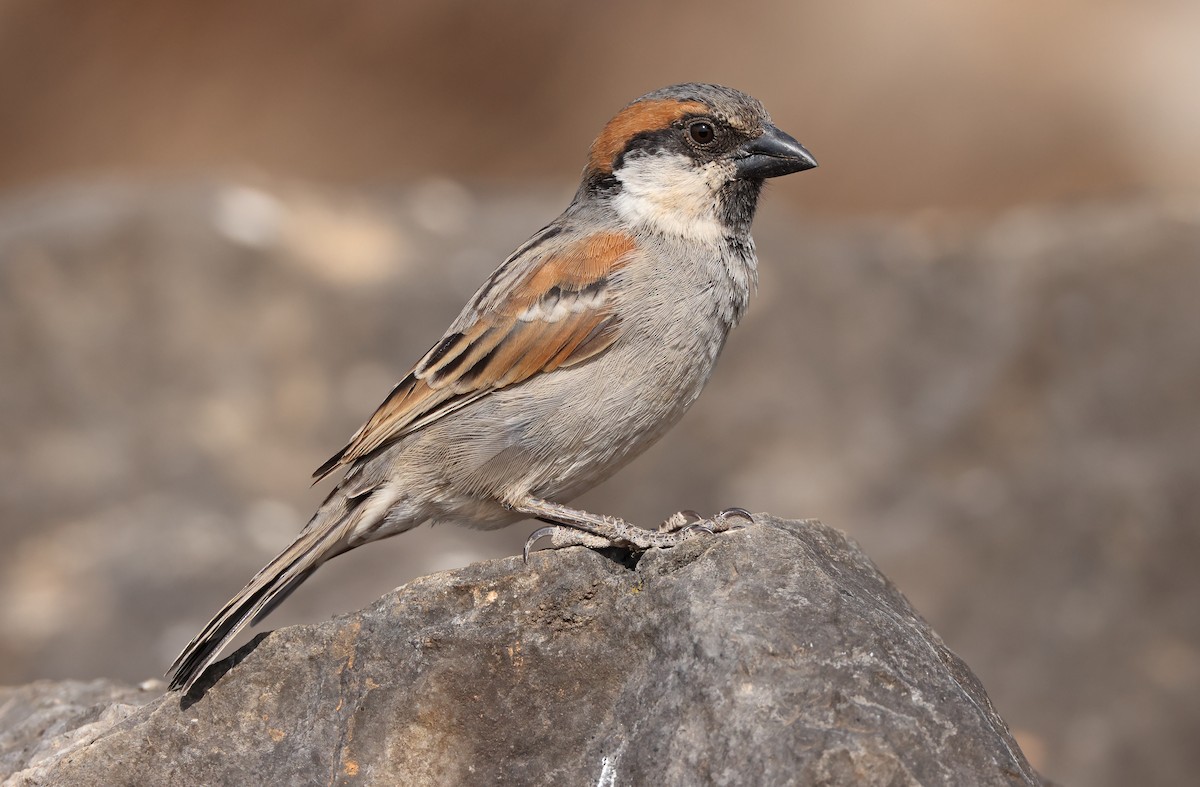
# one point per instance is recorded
(772, 154)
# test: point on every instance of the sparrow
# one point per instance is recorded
(577, 353)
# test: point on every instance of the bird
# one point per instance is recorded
(580, 350)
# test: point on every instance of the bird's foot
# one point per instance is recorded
(691, 522)
(595, 532)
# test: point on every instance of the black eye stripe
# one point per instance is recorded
(651, 142)
(673, 139)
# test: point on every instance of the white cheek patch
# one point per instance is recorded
(672, 194)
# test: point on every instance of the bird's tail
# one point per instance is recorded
(325, 537)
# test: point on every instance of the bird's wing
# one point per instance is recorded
(549, 306)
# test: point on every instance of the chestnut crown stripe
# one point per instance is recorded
(635, 119)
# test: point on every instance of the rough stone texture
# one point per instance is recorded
(41, 721)
(776, 654)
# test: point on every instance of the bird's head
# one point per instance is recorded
(690, 160)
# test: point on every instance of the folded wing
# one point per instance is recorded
(544, 309)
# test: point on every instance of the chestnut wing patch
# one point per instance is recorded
(558, 314)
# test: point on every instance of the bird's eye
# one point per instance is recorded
(702, 132)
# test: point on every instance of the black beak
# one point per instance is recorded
(773, 154)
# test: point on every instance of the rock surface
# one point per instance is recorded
(42, 721)
(776, 654)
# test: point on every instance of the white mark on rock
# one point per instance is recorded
(608, 772)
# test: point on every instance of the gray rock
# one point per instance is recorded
(41, 722)
(776, 654)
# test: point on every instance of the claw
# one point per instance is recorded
(534, 537)
(697, 527)
(736, 511)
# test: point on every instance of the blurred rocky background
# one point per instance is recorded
(227, 228)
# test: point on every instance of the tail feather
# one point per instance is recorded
(264, 592)
(279, 597)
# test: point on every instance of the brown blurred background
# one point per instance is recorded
(225, 229)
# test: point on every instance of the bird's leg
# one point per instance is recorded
(608, 529)
(562, 536)
(574, 527)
